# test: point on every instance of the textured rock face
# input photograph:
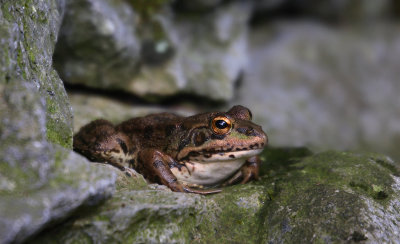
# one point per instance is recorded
(329, 10)
(338, 10)
(98, 43)
(40, 182)
(327, 87)
(116, 45)
(301, 198)
(27, 33)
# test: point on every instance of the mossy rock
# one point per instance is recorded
(41, 183)
(28, 31)
(300, 198)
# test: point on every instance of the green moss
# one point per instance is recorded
(279, 161)
(32, 55)
(320, 192)
(126, 183)
(59, 133)
(56, 130)
(231, 216)
(300, 197)
(358, 171)
(27, 65)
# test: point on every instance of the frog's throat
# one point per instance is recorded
(223, 156)
(200, 174)
(211, 170)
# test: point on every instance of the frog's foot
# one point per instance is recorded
(155, 167)
(129, 172)
(179, 187)
(234, 179)
(248, 172)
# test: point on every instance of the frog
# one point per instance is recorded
(196, 154)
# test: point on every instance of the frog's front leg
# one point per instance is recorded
(155, 167)
(100, 142)
(249, 171)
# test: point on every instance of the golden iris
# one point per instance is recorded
(221, 125)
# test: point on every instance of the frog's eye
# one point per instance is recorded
(221, 125)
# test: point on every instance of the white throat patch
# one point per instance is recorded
(219, 167)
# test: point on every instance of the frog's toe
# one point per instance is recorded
(248, 174)
(129, 172)
(202, 192)
(246, 178)
(178, 187)
(234, 179)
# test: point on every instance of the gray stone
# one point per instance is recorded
(41, 182)
(343, 10)
(90, 107)
(97, 44)
(213, 50)
(327, 197)
(202, 54)
(329, 88)
(197, 5)
(28, 206)
(260, 6)
(28, 33)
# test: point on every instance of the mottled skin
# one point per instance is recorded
(183, 153)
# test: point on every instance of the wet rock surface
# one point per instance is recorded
(301, 197)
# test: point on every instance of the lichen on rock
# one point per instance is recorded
(300, 198)
(28, 33)
(40, 182)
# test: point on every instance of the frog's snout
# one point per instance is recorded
(262, 137)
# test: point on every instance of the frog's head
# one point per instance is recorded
(218, 136)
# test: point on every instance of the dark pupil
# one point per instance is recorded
(221, 124)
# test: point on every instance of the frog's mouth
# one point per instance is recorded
(221, 156)
(208, 156)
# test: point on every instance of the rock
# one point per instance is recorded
(325, 87)
(196, 5)
(212, 65)
(268, 6)
(354, 10)
(90, 107)
(333, 197)
(344, 10)
(159, 54)
(330, 10)
(97, 44)
(27, 208)
(41, 182)
(300, 198)
(27, 35)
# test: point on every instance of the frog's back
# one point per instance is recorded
(151, 130)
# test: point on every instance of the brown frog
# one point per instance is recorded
(184, 153)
